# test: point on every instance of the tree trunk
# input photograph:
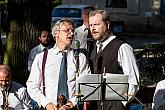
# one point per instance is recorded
(26, 19)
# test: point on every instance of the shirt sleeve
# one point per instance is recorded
(34, 82)
(84, 69)
(30, 59)
(158, 99)
(127, 61)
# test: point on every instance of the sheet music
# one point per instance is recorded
(118, 87)
(116, 90)
(88, 85)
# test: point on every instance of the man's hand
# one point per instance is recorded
(51, 106)
(67, 106)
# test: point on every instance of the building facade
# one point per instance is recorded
(131, 16)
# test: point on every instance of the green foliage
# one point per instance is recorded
(151, 64)
(26, 21)
(56, 2)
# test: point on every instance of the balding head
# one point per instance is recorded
(5, 76)
(4, 69)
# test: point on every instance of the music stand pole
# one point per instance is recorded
(103, 87)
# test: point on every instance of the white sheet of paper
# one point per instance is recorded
(87, 84)
(117, 87)
(92, 91)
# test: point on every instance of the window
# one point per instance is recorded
(116, 3)
(66, 12)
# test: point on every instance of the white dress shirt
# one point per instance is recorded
(52, 68)
(81, 34)
(159, 96)
(127, 61)
(18, 98)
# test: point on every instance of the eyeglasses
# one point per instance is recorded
(67, 30)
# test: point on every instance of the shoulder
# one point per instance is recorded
(126, 46)
(161, 83)
(35, 48)
(42, 53)
(17, 87)
(79, 29)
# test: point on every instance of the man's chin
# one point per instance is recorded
(45, 45)
(3, 88)
(96, 38)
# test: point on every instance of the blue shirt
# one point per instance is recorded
(33, 53)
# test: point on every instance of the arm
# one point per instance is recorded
(127, 61)
(30, 59)
(83, 69)
(84, 66)
(158, 99)
(34, 82)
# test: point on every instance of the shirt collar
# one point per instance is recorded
(84, 27)
(105, 43)
(57, 50)
(42, 47)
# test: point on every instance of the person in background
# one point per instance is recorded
(83, 34)
(112, 55)
(44, 43)
(159, 96)
(13, 96)
(45, 89)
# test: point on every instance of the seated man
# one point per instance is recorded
(12, 95)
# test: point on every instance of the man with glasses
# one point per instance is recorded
(45, 90)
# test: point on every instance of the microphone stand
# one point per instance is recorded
(78, 93)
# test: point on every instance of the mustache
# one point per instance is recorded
(5, 87)
(94, 32)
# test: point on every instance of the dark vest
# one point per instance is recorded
(107, 58)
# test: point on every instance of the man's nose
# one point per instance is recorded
(72, 33)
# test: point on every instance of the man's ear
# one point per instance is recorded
(39, 38)
(56, 34)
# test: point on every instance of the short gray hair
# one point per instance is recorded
(56, 26)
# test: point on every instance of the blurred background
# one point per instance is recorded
(139, 22)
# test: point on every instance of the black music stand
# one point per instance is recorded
(112, 87)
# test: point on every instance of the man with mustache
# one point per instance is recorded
(13, 96)
(44, 90)
(112, 54)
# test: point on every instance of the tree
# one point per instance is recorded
(26, 18)
(56, 2)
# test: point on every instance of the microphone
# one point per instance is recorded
(76, 51)
(76, 48)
